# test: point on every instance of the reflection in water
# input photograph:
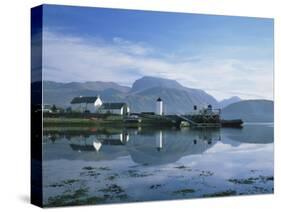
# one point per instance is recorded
(251, 133)
(113, 165)
(95, 142)
(159, 140)
(170, 145)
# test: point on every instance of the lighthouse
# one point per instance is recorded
(159, 106)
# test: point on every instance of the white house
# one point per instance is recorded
(120, 108)
(86, 103)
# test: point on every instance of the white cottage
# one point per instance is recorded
(120, 108)
(86, 103)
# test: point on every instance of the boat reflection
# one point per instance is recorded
(144, 146)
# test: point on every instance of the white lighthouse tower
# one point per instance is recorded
(159, 106)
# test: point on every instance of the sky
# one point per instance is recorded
(223, 55)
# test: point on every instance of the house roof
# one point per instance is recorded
(84, 99)
(113, 105)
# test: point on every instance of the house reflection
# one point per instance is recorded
(95, 142)
(145, 147)
(97, 145)
(115, 139)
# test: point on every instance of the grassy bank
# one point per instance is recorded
(79, 121)
(115, 121)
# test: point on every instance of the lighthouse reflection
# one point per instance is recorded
(159, 140)
(144, 146)
(159, 162)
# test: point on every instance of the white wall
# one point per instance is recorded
(98, 103)
(159, 107)
(92, 107)
(115, 111)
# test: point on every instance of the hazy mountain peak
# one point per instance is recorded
(225, 102)
(147, 82)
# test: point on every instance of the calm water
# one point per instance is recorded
(96, 166)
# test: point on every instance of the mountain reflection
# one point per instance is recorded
(251, 133)
(146, 146)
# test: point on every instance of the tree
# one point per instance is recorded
(54, 108)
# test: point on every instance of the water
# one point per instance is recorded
(97, 166)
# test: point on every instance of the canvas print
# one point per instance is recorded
(132, 106)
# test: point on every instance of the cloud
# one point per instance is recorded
(69, 58)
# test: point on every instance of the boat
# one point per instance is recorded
(237, 123)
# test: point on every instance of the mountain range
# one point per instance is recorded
(142, 96)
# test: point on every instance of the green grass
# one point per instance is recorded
(106, 121)
(68, 121)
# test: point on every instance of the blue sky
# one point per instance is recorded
(223, 55)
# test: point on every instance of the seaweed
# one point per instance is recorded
(206, 173)
(113, 189)
(63, 183)
(134, 173)
(180, 167)
(70, 181)
(54, 185)
(221, 194)
(112, 177)
(156, 186)
(104, 168)
(67, 198)
(88, 168)
(265, 179)
(184, 191)
(93, 174)
(250, 180)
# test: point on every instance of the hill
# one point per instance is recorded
(229, 101)
(250, 111)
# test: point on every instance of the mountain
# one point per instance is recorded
(231, 100)
(174, 100)
(174, 94)
(141, 97)
(97, 86)
(250, 111)
(151, 82)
